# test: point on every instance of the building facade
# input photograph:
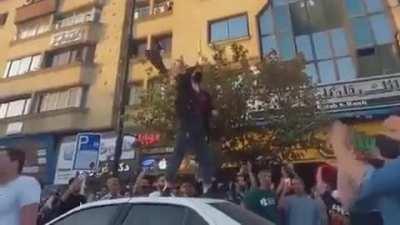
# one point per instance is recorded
(59, 63)
(351, 46)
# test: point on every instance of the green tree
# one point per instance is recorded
(263, 109)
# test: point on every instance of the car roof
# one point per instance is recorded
(154, 200)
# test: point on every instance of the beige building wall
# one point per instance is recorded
(98, 78)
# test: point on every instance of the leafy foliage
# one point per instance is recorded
(265, 108)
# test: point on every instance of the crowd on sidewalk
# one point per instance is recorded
(360, 189)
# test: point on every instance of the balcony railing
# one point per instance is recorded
(142, 12)
(158, 8)
(162, 7)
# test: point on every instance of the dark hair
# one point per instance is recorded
(389, 148)
(71, 180)
(15, 154)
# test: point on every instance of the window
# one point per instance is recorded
(361, 32)
(193, 218)
(355, 7)
(3, 18)
(136, 93)
(232, 28)
(33, 28)
(145, 214)
(71, 98)
(21, 66)
(242, 216)
(346, 68)
(304, 46)
(374, 5)
(164, 43)
(91, 15)
(142, 9)
(327, 71)
(161, 6)
(15, 108)
(140, 48)
(381, 29)
(322, 45)
(94, 216)
(83, 54)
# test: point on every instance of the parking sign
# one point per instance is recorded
(87, 151)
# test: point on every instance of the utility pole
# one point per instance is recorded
(122, 89)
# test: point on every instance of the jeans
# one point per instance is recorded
(196, 141)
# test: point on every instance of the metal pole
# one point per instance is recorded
(122, 89)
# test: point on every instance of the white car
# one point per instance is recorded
(160, 211)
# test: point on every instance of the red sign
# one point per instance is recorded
(148, 139)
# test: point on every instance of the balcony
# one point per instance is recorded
(35, 9)
(147, 10)
(87, 32)
(45, 79)
(70, 5)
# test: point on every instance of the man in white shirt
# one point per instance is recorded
(19, 195)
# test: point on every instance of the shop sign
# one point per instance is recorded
(67, 37)
(361, 94)
(307, 155)
(66, 153)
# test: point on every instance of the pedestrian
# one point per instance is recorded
(187, 190)
(114, 189)
(299, 208)
(262, 200)
(193, 109)
(72, 197)
(19, 195)
(159, 186)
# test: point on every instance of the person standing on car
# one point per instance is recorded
(262, 200)
(194, 109)
(19, 195)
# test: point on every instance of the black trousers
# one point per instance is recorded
(197, 142)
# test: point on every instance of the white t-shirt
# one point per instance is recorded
(14, 196)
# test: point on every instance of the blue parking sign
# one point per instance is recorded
(87, 151)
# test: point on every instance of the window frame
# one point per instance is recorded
(85, 55)
(226, 20)
(47, 95)
(6, 74)
(156, 39)
(119, 215)
(26, 109)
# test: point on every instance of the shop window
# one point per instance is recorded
(339, 42)
(381, 29)
(266, 23)
(3, 18)
(33, 28)
(229, 29)
(91, 15)
(23, 65)
(311, 71)
(327, 71)
(355, 7)
(82, 54)
(286, 47)
(300, 19)
(269, 44)
(70, 98)
(281, 17)
(346, 68)
(390, 59)
(322, 46)
(368, 65)
(361, 32)
(304, 46)
(15, 108)
(374, 6)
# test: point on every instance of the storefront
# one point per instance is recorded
(40, 155)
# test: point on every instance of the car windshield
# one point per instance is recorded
(242, 216)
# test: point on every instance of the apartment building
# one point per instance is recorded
(351, 46)
(59, 63)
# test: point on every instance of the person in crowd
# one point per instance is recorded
(48, 210)
(19, 195)
(262, 200)
(373, 186)
(114, 189)
(187, 190)
(194, 109)
(159, 185)
(72, 197)
(299, 208)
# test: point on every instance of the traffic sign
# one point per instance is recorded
(87, 151)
